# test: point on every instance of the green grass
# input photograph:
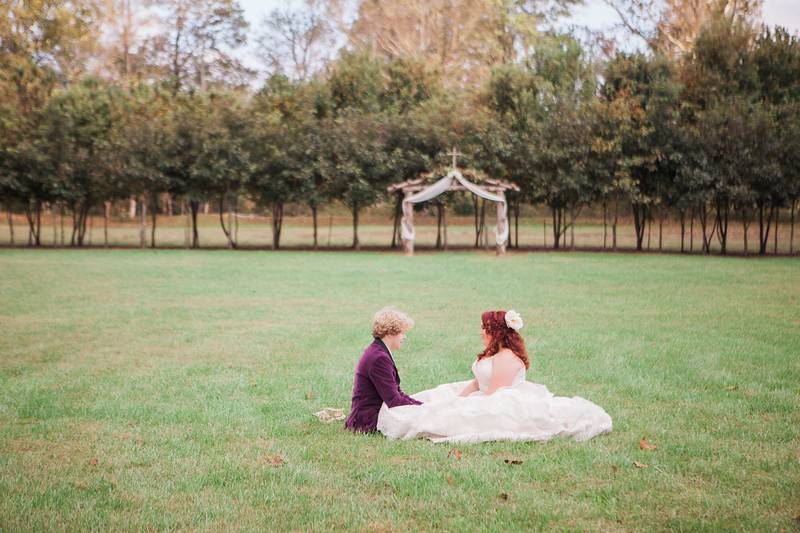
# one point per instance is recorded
(151, 390)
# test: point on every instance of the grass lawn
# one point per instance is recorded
(176, 390)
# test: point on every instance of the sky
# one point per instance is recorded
(594, 14)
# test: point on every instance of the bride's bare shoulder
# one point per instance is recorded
(506, 356)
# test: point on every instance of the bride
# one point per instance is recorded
(498, 404)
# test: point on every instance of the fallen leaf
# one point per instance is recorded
(503, 496)
(93, 461)
(455, 453)
(732, 387)
(512, 461)
(637, 464)
(309, 395)
(450, 480)
(644, 445)
(274, 459)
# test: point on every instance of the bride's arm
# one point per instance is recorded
(469, 389)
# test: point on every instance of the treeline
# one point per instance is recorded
(708, 137)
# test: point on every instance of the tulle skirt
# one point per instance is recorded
(523, 412)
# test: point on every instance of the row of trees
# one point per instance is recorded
(709, 135)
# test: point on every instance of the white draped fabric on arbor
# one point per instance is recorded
(415, 191)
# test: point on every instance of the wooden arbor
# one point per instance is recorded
(423, 188)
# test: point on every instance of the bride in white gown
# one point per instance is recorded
(499, 404)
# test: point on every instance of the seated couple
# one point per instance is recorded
(497, 404)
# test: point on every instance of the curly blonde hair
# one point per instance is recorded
(390, 321)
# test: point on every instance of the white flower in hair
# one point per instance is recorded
(513, 320)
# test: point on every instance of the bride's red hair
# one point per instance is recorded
(494, 322)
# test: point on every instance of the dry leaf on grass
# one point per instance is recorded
(309, 395)
(93, 461)
(732, 387)
(503, 496)
(637, 464)
(450, 480)
(274, 459)
(329, 414)
(512, 461)
(644, 445)
(455, 453)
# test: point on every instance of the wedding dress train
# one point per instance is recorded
(524, 411)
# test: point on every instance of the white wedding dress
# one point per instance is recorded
(524, 411)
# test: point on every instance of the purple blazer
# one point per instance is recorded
(376, 382)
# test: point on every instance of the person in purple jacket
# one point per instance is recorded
(377, 381)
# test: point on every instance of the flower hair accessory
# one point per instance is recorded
(513, 320)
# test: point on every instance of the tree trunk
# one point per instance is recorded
(398, 214)
(691, 230)
(236, 221)
(34, 217)
(775, 233)
(605, 224)
(477, 221)
(707, 237)
(106, 209)
(558, 220)
(660, 231)
(74, 213)
(53, 222)
(544, 232)
(438, 225)
(745, 227)
(61, 220)
(186, 223)
(10, 223)
(277, 224)
(683, 228)
(517, 203)
(194, 207)
(444, 226)
(614, 226)
(722, 208)
(82, 219)
(639, 223)
(143, 222)
(763, 229)
(314, 222)
(356, 208)
(572, 217)
(229, 230)
(153, 215)
(793, 207)
(132, 208)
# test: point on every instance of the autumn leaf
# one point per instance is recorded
(732, 387)
(455, 453)
(637, 464)
(503, 496)
(450, 480)
(644, 445)
(512, 461)
(309, 395)
(93, 461)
